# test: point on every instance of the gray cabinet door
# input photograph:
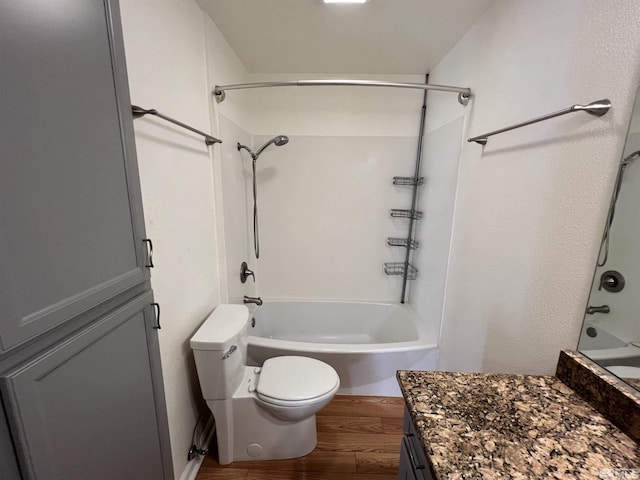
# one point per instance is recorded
(93, 407)
(71, 225)
(8, 463)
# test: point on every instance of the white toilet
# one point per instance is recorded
(261, 413)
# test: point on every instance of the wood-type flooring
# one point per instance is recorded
(358, 438)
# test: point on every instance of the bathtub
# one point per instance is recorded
(365, 342)
(606, 348)
(602, 339)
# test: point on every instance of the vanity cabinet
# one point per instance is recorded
(81, 392)
(413, 462)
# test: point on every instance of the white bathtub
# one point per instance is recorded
(604, 339)
(606, 348)
(365, 342)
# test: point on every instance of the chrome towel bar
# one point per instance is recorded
(597, 108)
(140, 112)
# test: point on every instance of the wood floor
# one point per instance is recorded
(358, 438)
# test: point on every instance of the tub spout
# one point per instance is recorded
(256, 300)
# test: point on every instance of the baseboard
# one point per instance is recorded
(192, 468)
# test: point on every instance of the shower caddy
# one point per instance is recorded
(405, 268)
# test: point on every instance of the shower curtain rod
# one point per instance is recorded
(463, 93)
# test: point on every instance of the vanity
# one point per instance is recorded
(470, 425)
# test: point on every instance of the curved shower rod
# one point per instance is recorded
(463, 93)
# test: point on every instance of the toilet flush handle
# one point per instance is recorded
(228, 353)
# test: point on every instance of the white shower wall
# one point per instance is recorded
(441, 155)
(324, 216)
(230, 180)
(324, 198)
(235, 177)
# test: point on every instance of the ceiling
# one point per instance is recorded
(307, 36)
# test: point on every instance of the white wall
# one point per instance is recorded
(165, 48)
(332, 111)
(440, 160)
(231, 173)
(324, 198)
(324, 216)
(531, 205)
(235, 185)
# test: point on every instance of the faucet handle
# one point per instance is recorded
(245, 273)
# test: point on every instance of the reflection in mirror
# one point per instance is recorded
(611, 330)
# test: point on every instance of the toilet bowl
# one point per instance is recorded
(293, 388)
(261, 413)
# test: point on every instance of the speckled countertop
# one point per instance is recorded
(513, 426)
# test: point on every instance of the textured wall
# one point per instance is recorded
(531, 205)
(165, 51)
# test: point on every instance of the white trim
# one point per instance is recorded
(192, 468)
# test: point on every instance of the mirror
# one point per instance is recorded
(611, 330)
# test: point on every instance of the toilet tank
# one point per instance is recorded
(220, 350)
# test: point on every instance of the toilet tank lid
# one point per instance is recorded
(224, 323)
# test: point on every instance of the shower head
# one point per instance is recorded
(630, 158)
(277, 141)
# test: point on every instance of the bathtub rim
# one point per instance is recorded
(421, 343)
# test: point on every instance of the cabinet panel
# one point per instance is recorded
(405, 469)
(71, 224)
(8, 463)
(413, 460)
(90, 407)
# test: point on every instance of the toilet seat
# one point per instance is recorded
(294, 381)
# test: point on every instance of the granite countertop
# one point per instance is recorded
(513, 426)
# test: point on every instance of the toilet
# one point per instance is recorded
(261, 413)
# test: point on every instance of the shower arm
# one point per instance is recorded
(464, 94)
